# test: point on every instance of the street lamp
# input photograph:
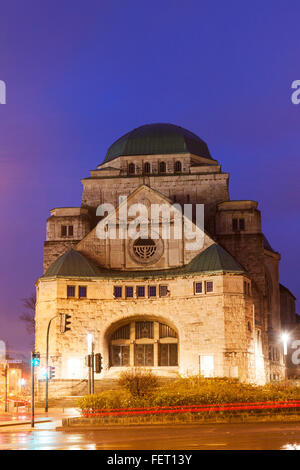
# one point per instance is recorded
(90, 341)
(285, 338)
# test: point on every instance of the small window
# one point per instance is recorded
(63, 230)
(163, 291)
(70, 291)
(140, 291)
(82, 291)
(131, 168)
(129, 292)
(117, 292)
(162, 167)
(70, 231)
(177, 167)
(209, 286)
(188, 198)
(238, 224)
(147, 167)
(198, 287)
(152, 291)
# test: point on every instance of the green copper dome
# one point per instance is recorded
(72, 263)
(157, 139)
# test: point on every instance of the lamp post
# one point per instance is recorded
(285, 339)
(47, 364)
(90, 363)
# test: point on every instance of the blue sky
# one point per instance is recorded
(81, 74)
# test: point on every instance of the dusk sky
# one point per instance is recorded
(79, 74)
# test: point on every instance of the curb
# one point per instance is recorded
(4, 424)
(114, 425)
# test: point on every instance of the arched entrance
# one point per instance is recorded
(143, 344)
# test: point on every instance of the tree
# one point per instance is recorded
(28, 316)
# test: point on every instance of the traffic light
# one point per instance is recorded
(35, 359)
(65, 321)
(51, 372)
(98, 363)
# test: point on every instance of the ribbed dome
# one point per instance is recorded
(71, 263)
(213, 259)
(157, 139)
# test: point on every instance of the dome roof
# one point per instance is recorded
(157, 139)
(214, 259)
(73, 264)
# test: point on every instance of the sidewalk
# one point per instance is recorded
(24, 417)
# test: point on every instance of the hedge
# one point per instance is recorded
(192, 391)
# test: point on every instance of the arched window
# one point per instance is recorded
(147, 167)
(143, 343)
(177, 167)
(131, 168)
(162, 167)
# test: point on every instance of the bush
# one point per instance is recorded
(138, 382)
(140, 389)
(104, 400)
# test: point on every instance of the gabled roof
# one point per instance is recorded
(212, 260)
(72, 263)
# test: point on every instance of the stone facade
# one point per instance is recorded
(228, 329)
(218, 324)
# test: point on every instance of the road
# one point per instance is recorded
(256, 436)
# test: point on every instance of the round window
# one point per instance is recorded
(144, 248)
